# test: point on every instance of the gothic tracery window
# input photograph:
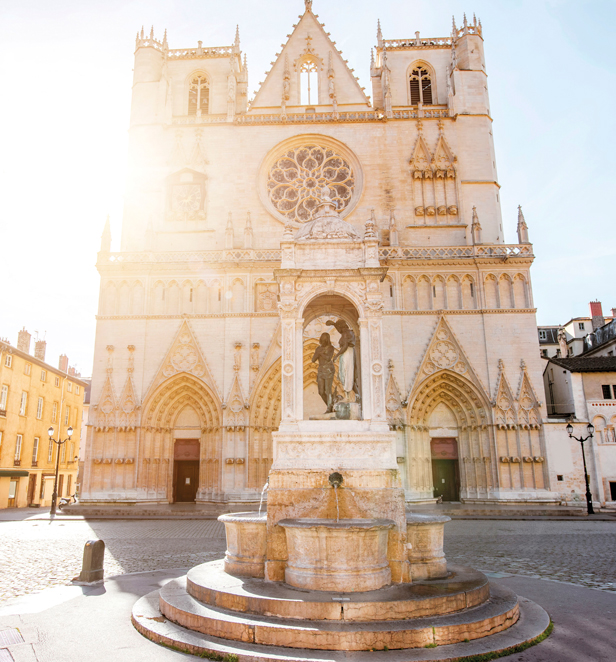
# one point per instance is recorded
(309, 83)
(296, 179)
(198, 95)
(421, 86)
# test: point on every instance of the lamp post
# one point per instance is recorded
(58, 442)
(591, 430)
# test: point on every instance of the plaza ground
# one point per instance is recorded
(569, 567)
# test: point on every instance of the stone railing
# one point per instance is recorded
(199, 52)
(502, 251)
(422, 42)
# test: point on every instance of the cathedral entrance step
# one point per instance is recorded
(532, 623)
(462, 589)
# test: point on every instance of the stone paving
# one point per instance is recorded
(35, 555)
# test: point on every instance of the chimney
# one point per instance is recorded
(614, 312)
(40, 346)
(72, 371)
(23, 341)
(596, 313)
(63, 363)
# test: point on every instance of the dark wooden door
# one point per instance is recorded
(186, 480)
(31, 488)
(60, 485)
(446, 480)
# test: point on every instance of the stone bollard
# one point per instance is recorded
(92, 568)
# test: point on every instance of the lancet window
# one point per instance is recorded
(309, 83)
(421, 86)
(198, 95)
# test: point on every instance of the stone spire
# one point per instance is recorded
(379, 34)
(248, 234)
(229, 238)
(106, 238)
(308, 4)
(476, 228)
(236, 43)
(522, 227)
(165, 43)
(393, 230)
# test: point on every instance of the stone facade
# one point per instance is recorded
(200, 305)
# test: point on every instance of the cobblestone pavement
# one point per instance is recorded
(35, 555)
(582, 553)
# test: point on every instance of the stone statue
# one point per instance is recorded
(347, 371)
(325, 376)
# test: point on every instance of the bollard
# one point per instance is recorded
(92, 568)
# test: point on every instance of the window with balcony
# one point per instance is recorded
(4, 396)
(35, 448)
(17, 458)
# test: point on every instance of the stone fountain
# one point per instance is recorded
(335, 564)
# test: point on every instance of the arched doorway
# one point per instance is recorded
(181, 440)
(449, 438)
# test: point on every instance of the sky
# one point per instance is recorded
(66, 72)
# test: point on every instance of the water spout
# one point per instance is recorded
(335, 480)
(263, 491)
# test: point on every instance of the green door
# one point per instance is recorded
(446, 479)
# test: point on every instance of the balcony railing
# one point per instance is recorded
(500, 251)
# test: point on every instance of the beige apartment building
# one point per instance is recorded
(189, 360)
(34, 396)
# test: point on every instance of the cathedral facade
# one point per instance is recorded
(188, 367)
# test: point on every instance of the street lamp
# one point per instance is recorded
(591, 430)
(54, 496)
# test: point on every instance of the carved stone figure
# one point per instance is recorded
(325, 376)
(347, 371)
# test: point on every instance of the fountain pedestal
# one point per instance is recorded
(305, 455)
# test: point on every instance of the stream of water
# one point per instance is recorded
(337, 504)
(263, 491)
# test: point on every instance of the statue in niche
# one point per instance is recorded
(347, 360)
(324, 354)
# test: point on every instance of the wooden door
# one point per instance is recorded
(446, 481)
(186, 480)
(60, 485)
(31, 488)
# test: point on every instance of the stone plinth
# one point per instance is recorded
(348, 555)
(425, 540)
(246, 544)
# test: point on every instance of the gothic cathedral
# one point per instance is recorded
(189, 357)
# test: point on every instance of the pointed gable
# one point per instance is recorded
(309, 45)
(107, 405)
(421, 160)
(444, 160)
(529, 404)
(128, 405)
(503, 399)
(185, 356)
(445, 353)
(393, 401)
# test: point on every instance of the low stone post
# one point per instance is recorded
(92, 568)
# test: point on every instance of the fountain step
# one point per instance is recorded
(147, 619)
(498, 613)
(462, 589)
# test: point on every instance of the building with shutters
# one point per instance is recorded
(34, 396)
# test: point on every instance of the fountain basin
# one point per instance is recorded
(347, 556)
(424, 534)
(246, 544)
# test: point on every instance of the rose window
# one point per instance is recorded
(295, 180)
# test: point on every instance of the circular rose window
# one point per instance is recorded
(297, 175)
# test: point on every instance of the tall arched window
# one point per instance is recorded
(421, 86)
(198, 95)
(309, 83)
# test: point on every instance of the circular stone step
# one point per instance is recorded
(462, 589)
(148, 620)
(498, 613)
